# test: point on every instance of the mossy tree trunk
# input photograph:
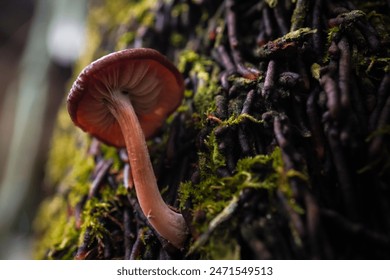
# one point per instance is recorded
(279, 150)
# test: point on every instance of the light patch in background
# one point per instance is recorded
(56, 34)
(65, 40)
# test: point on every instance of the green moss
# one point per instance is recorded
(315, 71)
(221, 247)
(332, 32)
(213, 195)
(272, 3)
(69, 167)
(299, 14)
(377, 63)
(67, 142)
(215, 158)
(181, 13)
(121, 190)
(108, 17)
(290, 42)
(59, 234)
(94, 211)
(111, 153)
(125, 40)
(298, 34)
(177, 39)
(205, 72)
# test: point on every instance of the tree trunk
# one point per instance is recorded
(279, 150)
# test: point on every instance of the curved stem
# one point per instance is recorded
(168, 223)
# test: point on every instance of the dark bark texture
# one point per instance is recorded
(280, 149)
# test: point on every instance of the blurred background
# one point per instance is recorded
(39, 42)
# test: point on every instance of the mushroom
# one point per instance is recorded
(121, 99)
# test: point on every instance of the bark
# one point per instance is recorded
(271, 154)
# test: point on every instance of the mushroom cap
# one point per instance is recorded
(152, 83)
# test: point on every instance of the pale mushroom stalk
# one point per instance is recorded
(168, 223)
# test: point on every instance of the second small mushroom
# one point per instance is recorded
(121, 99)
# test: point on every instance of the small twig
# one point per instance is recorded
(107, 247)
(83, 251)
(128, 234)
(342, 170)
(332, 93)
(355, 228)
(289, 79)
(221, 103)
(344, 72)
(359, 107)
(267, 23)
(269, 82)
(378, 141)
(243, 140)
(94, 148)
(123, 155)
(225, 59)
(293, 216)
(383, 92)
(231, 24)
(315, 124)
(384, 117)
(283, 137)
(370, 34)
(224, 135)
(225, 81)
(127, 177)
(248, 103)
(79, 210)
(138, 246)
(313, 223)
(96, 183)
(233, 42)
(261, 39)
(300, 117)
(299, 16)
(318, 25)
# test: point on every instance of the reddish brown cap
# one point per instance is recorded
(154, 85)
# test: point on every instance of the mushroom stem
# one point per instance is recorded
(168, 223)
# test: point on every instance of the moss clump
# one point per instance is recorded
(60, 235)
(272, 3)
(221, 246)
(214, 194)
(205, 72)
(94, 211)
(69, 167)
(111, 153)
(65, 153)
